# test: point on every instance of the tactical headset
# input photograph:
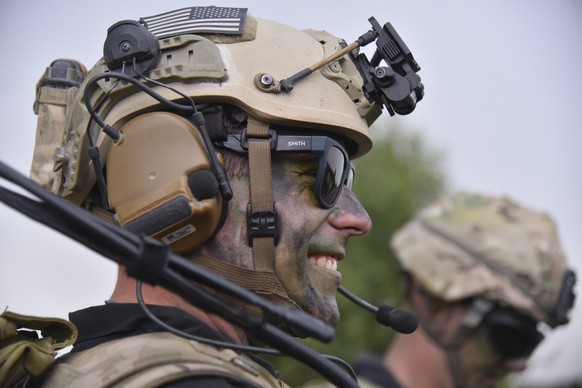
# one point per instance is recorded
(160, 182)
(164, 178)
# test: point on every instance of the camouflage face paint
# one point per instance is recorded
(313, 239)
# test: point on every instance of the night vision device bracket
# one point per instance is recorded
(394, 85)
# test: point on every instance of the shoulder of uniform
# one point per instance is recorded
(153, 359)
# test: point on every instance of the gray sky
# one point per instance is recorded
(502, 102)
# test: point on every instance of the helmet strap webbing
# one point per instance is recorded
(263, 283)
(262, 218)
(262, 229)
(261, 195)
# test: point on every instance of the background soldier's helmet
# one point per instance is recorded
(469, 245)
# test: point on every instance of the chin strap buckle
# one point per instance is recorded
(262, 223)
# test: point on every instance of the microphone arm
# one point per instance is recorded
(399, 320)
(359, 301)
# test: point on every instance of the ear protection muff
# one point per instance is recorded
(160, 181)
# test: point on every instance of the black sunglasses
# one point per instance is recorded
(512, 336)
(334, 169)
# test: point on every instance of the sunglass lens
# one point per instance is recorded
(350, 179)
(514, 340)
(332, 178)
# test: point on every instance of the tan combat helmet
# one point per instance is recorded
(169, 63)
(469, 245)
(215, 68)
(113, 122)
(242, 68)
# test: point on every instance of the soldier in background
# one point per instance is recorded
(484, 275)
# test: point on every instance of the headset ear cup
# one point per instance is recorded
(160, 181)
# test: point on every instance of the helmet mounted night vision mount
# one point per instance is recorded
(395, 85)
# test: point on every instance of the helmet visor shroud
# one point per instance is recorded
(334, 169)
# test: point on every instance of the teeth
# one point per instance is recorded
(324, 262)
(331, 264)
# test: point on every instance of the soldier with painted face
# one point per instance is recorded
(483, 274)
(227, 138)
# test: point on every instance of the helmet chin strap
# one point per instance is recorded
(261, 212)
(262, 225)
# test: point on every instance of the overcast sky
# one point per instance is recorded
(502, 102)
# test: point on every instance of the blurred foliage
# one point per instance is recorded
(399, 176)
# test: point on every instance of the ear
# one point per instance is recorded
(436, 315)
(423, 303)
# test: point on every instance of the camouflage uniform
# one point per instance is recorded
(151, 360)
(119, 346)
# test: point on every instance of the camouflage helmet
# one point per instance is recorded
(467, 245)
(223, 69)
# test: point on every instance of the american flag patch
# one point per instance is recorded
(195, 20)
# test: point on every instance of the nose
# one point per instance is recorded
(349, 214)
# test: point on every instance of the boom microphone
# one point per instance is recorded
(399, 320)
